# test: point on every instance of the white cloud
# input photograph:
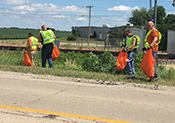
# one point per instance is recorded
(25, 5)
(24, 8)
(81, 19)
(136, 7)
(15, 2)
(119, 8)
(52, 7)
(61, 16)
(73, 9)
(170, 12)
(122, 8)
(115, 20)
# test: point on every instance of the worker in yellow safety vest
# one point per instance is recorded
(47, 38)
(32, 46)
(131, 45)
(152, 41)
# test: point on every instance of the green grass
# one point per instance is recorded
(87, 66)
(71, 65)
(86, 75)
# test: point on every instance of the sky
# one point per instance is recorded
(64, 14)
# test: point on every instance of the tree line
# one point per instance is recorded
(164, 23)
(140, 19)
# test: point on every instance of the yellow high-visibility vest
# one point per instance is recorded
(48, 36)
(34, 43)
(128, 42)
(146, 43)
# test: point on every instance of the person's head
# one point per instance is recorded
(150, 25)
(127, 31)
(43, 27)
(30, 34)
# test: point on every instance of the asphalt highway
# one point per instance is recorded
(30, 98)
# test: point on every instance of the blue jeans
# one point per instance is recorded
(130, 63)
(47, 54)
(154, 53)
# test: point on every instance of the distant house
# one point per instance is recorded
(101, 32)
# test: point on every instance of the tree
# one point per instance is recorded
(117, 33)
(74, 32)
(73, 36)
(142, 16)
(170, 19)
(94, 35)
(139, 17)
(160, 14)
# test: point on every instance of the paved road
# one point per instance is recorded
(121, 103)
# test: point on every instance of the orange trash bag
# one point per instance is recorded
(121, 60)
(27, 61)
(147, 64)
(55, 53)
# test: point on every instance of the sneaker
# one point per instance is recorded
(131, 74)
(154, 78)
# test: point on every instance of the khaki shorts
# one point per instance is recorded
(32, 56)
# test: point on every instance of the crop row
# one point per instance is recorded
(16, 33)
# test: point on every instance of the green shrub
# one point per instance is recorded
(137, 63)
(104, 63)
(71, 37)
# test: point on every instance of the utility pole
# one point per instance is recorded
(89, 22)
(155, 13)
(155, 21)
(150, 10)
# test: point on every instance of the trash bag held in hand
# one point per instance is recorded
(27, 61)
(147, 64)
(55, 53)
(121, 60)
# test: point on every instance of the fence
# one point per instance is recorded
(105, 43)
(171, 42)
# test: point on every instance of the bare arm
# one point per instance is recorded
(54, 36)
(155, 39)
(29, 44)
(39, 38)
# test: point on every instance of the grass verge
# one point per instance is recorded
(86, 75)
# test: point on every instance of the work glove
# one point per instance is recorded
(124, 50)
(143, 49)
(148, 48)
(123, 45)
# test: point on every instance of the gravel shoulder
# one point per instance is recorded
(90, 81)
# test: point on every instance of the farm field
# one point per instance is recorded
(18, 37)
(16, 33)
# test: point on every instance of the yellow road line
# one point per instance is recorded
(62, 114)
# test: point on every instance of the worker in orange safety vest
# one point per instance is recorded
(32, 46)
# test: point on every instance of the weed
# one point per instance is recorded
(103, 65)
